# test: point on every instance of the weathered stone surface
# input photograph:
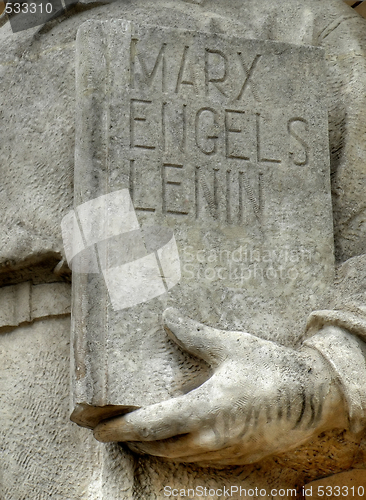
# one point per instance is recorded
(224, 141)
(38, 77)
(351, 484)
(23, 303)
(38, 173)
(15, 304)
(42, 455)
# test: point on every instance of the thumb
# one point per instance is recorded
(205, 342)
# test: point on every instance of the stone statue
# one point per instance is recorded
(263, 400)
(227, 420)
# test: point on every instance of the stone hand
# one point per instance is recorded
(261, 399)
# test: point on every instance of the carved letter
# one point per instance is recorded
(248, 75)
(259, 149)
(174, 127)
(208, 73)
(211, 198)
(256, 202)
(137, 118)
(166, 183)
(200, 124)
(182, 80)
(229, 128)
(305, 148)
(147, 76)
(132, 182)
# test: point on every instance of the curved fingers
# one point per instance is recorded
(164, 420)
(205, 342)
(185, 448)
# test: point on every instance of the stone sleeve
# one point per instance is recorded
(346, 355)
(339, 333)
(347, 308)
(344, 41)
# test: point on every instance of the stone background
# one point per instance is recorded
(42, 454)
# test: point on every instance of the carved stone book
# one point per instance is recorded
(201, 183)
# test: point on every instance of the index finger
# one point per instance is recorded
(163, 420)
(205, 342)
